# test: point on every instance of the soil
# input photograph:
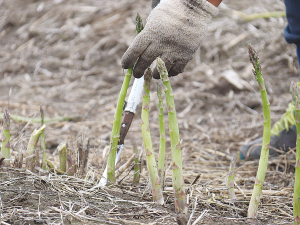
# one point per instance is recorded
(65, 55)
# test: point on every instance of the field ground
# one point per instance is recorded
(65, 55)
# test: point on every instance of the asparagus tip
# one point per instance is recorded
(139, 23)
(42, 115)
(254, 59)
(295, 91)
(161, 67)
(6, 119)
(148, 75)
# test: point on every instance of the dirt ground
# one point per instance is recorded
(65, 55)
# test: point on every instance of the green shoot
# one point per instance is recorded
(43, 144)
(295, 90)
(178, 182)
(111, 178)
(263, 162)
(150, 158)
(62, 153)
(5, 148)
(31, 161)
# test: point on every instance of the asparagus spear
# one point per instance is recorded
(5, 148)
(31, 161)
(136, 176)
(119, 129)
(150, 158)
(62, 153)
(178, 182)
(263, 162)
(295, 90)
(44, 163)
(230, 183)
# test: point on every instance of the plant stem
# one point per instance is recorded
(62, 153)
(178, 182)
(116, 129)
(83, 148)
(162, 145)
(263, 162)
(71, 166)
(31, 162)
(136, 176)
(17, 118)
(43, 144)
(295, 90)
(263, 15)
(5, 148)
(150, 158)
(118, 116)
(231, 178)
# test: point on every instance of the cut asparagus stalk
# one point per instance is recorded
(295, 90)
(150, 158)
(264, 155)
(83, 155)
(31, 162)
(5, 148)
(230, 183)
(43, 144)
(62, 153)
(178, 182)
(136, 176)
(71, 166)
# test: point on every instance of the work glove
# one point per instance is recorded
(154, 3)
(173, 32)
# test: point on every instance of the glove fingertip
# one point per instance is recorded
(137, 73)
(126, 62)
(125, 65)
(137, 47)
(178, 68)
(173, 73)
(155, 74)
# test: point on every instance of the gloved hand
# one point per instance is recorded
(173, 32)
(154, 3)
